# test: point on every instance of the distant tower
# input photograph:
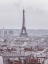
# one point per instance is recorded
(3, 31)
(23, 30)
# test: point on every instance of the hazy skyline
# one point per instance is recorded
(36, 14)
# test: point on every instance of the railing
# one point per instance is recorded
(12, 54)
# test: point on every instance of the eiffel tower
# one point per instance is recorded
(23, 30)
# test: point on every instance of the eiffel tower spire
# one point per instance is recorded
(23, 30)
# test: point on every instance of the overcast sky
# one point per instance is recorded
(36, 14)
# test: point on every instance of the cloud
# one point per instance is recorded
(18, 3)
(36, 18)
(5, 2)
(42, 4)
